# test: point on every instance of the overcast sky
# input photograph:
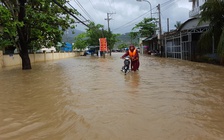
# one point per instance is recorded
(127, 13)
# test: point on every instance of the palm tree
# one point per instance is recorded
(177, 25)
(213, 11)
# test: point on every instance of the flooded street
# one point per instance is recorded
(89, 98)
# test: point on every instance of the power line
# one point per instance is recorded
(110, 4)
(78, 12)
(127, 24)
(93, 7)
(83, 9)
(69, 12)
(167, 2)
(120, 29)
(167, 5)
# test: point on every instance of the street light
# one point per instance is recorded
(149, 4)
(150, 12)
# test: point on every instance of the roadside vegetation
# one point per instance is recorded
(30, 24)
(92, 35)
(213, 38)
(146, 28)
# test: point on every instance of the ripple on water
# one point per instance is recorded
(90, 98)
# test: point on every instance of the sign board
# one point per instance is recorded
(103, 44)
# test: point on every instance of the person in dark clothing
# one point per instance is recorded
(133, 54)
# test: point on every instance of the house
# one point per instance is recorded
(196, 5)
(182, 43)
(151, 42)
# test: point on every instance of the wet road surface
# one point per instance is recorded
(89, 98)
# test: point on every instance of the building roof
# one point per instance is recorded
(192, 24)
(151, 38)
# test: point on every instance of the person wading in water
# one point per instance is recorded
(133, 54)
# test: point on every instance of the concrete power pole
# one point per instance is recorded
(108, 24)
(160, 30)
(108, 20)
(168, 25)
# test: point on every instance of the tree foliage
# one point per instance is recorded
(29, 24)
(96, 31)
(80, 41)
(111, 40)
(133, 35)
(93, 33)
(8, 32)
(213, 11)
(122, 46)
(177, 25)
(146, 27)
(221, 47)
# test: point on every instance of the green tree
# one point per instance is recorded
(8, 28)
(33, 24)
(146, 27)
(93, 33)
(221, 47)
(213, 11)
(122, 46)
(133, 36)
(177, 25)
(80, 41)
(111, 40)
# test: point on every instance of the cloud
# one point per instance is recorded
(127, 13)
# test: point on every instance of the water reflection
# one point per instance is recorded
(90, 98)
(132, 79)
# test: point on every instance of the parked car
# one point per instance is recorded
(47, 50)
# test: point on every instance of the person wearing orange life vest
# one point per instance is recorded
(133, 54)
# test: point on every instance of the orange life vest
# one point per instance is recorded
(132, 54)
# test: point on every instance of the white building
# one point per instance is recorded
(196, 8)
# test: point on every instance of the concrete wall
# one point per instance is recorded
(14, 59)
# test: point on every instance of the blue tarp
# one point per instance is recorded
(67, 47)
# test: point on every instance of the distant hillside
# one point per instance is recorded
(69, 36)
(125, 38)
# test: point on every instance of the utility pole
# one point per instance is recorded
(108, 20)
(168, 25)
(160, 30)
(108, 25)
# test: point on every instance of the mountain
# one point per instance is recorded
(70, 34)
(125, 38)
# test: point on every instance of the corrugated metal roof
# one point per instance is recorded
(150, 38)
(192, 23)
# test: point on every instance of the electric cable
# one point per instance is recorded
(83, 9)
(78, 12)
(69, 12)
(127, 24)
(94, 7)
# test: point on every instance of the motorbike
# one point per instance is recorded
(125, 68)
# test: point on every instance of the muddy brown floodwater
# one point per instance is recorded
(89, 98)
